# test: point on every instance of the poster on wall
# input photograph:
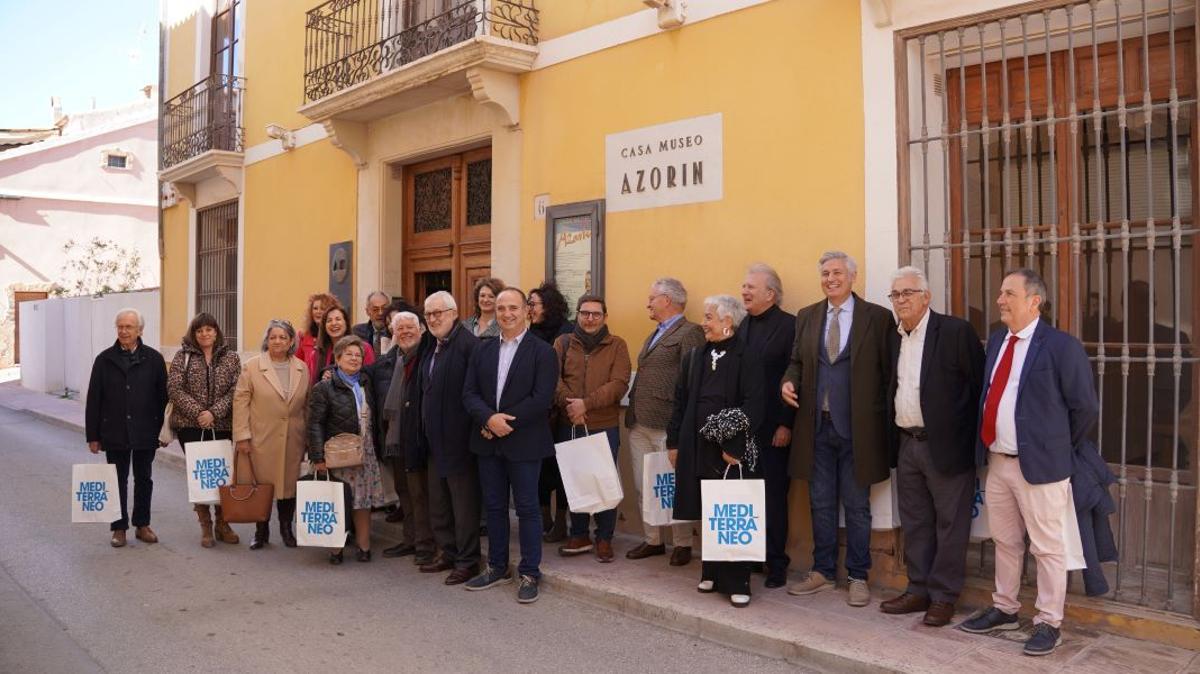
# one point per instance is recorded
(574, 249)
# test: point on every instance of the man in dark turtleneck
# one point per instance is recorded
(769, 331)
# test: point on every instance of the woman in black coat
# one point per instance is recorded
(548, 321)
(343, 404)
(721, 377)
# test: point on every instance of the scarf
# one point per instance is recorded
(397, 393)
(353, 381)
(590, 342)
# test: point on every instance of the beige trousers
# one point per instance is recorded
(1015, 507)
(643, 441)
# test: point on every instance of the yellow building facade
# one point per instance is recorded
(419, 145)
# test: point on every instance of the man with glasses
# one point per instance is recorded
(937, 362)
(594, 378)
(453, 472)
(651, 399)
(375, 330)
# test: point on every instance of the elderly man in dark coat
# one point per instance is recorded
(838, 378)
(126, 397)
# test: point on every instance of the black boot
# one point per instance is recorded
(287, 515)
(262, 532)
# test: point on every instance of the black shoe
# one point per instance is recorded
(1044, 640)
(288, 534)
(489, 578)
(773, 582)
(335, 558)
(989, 620)
(421, 558)
(528, 592)
(401, 550)
(262, 533)
(364, 555)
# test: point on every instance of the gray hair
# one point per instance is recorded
(286, 326)
(673, 289)
(406, 316)
(386, 297)
(727, 306)
(838, 255)
(922, 282)
(447, 299)
(1034, 285)
(141, 320)
(774, 283)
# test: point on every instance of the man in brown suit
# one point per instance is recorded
(651, 398)
(838, 378)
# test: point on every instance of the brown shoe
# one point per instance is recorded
(437, 566)
(644, 550)
(905, 603)
(206, 525)
(146, 535)
(118, 538)
(221, 529)
(940, 613)
(460, 576)
(604, 551)
(576, 545)
(681, 556)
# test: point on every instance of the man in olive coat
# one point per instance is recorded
(838, 379)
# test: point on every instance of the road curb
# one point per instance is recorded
(171, 455)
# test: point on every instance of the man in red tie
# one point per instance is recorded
(1038, 404)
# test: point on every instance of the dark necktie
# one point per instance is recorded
(995, 392)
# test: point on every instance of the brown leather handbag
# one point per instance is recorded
(244, 503)
(343, 450)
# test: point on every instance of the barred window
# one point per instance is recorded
(217, 265)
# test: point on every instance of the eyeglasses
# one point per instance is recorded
(591, 315)
(436, 314)
(906, 294)
(655, 296)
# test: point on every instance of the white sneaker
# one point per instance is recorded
(739, 600)
(705, 586)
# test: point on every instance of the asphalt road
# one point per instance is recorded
(71, 603)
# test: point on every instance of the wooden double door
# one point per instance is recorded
(448, 226)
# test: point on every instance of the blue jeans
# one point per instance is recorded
(497, 475)
(833, 478)
(606, 521)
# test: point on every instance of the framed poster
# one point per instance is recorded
(575, 249)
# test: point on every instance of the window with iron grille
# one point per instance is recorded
(217, 265)
(1058, 135)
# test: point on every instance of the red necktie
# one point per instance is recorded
(995, 392)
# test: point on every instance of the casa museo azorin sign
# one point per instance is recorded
(678, 162)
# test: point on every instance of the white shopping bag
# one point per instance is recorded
(94, 494)
(209, 464)
(589, 474)
(733, 517)
(658, 490)
(320, 513)
(979, 515)
(885, 505)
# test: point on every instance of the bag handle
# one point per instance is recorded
(316, 475)
(586, 432)
(253, 478)
(730, 465)
(212, 430)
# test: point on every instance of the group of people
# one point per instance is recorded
(464, 413)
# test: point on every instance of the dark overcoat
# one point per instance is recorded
(126, 399)
(445, 424)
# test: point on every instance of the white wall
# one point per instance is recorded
(60, 337)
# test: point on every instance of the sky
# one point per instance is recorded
(78, 50)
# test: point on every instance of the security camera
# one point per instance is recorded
(282, 134)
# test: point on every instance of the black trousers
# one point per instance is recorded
(454, 503)
(935, 513)
(774, 466)
(728, 577)
(142, 461)
(550, 481)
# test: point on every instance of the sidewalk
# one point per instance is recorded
(820, 631)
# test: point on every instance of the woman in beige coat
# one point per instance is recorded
(269, 404)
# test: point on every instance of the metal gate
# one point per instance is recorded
(1060, 136)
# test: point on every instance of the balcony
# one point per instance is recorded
(365, 59)
(202, 134)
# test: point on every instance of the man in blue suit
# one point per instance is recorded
(1038, 405)
(508, 393)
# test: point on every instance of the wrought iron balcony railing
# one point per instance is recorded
(208, 116)
(351, 41)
